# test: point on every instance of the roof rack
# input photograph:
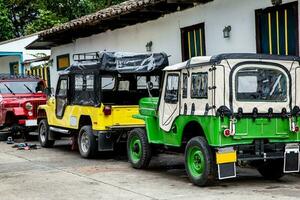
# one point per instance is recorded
(83, 57)
(19, 76)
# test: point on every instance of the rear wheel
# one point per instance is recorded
(199, 162)
(271, 169)
(87, 143)
(138, 149)
(43, 131)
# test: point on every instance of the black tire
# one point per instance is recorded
(87, 143)
(138, 149)
(271, 169)
(5, 135)
(43, 131)
(206, 173)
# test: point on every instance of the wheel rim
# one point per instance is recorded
(135, 149)
(195, 161)
(84, 142)
(43, 133)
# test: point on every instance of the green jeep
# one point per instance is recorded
(221, 111)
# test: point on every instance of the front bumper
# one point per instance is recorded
(31, 122)
(28, 122)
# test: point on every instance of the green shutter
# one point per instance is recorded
(277, 30)
(193, 41)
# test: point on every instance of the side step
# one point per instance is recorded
(59, 130)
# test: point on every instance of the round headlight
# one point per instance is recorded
(29, 106)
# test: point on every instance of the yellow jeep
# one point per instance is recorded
(96, 98)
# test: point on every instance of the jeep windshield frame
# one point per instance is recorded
(20, 87)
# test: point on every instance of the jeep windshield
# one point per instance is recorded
(261, 84)
(18, 87)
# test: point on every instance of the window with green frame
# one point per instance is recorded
(193, 41)
(277, 29)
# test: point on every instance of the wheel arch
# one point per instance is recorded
(84, 120)
(10, 117)
(41, 114)
(190, 130)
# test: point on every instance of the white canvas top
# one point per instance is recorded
(193, 61)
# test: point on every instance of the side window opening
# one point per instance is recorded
(89, 83)
(142, 82)
(184, 86)
(84, 90)
(199, 87)
(107, 82)
(63, 88)
(78, 82)
(171, 92)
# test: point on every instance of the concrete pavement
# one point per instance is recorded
(60, 173)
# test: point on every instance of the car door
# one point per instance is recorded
(169, 103)
(61, 96)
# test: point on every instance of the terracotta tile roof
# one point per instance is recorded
(107, 13)
(117, 16)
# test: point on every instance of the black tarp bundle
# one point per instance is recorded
(121, 62)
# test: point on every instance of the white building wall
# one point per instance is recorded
(18, 45)
(165, 32)
(4, 61)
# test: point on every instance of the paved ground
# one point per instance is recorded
(60, 173)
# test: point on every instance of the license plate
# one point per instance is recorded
(226, 157)
(31, 122)
(226, 161)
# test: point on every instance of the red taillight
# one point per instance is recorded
(107, 110)
(22, 121)
(227, 132)
(296, 129)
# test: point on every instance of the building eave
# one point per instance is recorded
(118, 16)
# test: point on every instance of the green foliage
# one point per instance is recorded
(21, 13)
(44, 20)
(21, 17)
(6, 26)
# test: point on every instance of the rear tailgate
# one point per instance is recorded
(123, 116)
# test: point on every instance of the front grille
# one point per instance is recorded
(36, 104)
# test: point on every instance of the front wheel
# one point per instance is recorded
(138, 149)
(43, 131)
(199, 162)
(87, 143)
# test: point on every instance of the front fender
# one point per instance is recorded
(42, 111)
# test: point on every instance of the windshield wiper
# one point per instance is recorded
(28, 89)
(9, 89)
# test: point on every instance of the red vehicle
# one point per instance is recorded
(19, 100)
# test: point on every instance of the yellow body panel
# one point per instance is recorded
(120, 116)
(226, 157)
